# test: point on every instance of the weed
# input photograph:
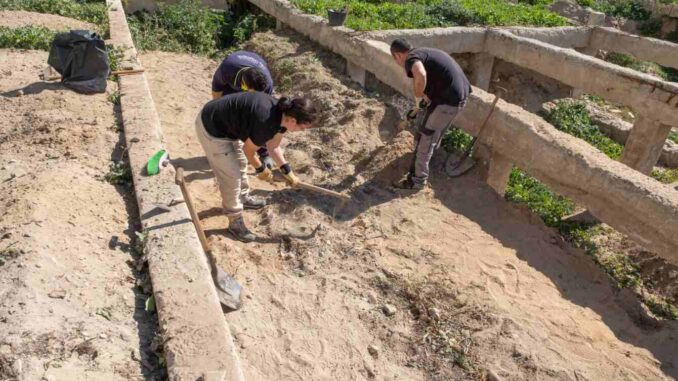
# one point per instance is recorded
(630, 9)
(523, 188)
(114, 97)
(456, 140)
(9, 253)
(673, 136)
(380, 14)
(665, 175)
(119, 173)
(115, 56)
(572, 118)
(625, 60)
(26, 37)
(190, 27)
(92, 12)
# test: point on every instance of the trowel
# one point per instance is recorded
(228, 289)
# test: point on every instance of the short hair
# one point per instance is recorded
(400, 45)
(254, 79)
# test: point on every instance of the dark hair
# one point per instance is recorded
(301, 109)
(400, 45)
(254, 79)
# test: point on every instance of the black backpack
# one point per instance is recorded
(80, 57)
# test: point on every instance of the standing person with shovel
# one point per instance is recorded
(441, 89)
(231, 129)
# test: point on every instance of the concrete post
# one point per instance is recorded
(279, 25)
(494, 167)
(356, 73)
(483, 64)
(645, 143)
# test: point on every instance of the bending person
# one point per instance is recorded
(231, 129)
(441, 88)
(243, 71)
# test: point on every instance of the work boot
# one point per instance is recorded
(409, 184)
(252, 202)
(236, 226)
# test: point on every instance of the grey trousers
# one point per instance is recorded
(436, 122)
(229, 164)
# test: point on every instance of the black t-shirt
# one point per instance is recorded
(446, 82)
(242, 116)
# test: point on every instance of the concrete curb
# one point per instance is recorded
(198, 342)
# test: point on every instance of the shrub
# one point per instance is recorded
(630, 9)
(94, 12)
(26, 37)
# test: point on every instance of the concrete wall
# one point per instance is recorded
(632, 203)
(132, 6)
(198, 342)
(643, 48)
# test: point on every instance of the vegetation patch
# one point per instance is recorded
(189, 27)
(625, 60)
(26, 37)
(382, 14)
(94, 12)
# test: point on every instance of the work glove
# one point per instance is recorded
(419, 104)
(290, 177)
(264, 173)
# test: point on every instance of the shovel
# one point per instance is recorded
(228, 289)
(314, 188)
(459, 163)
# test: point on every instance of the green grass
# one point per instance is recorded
(379, 14)
(630, 9)
(26, 37)
(119, 173)
(92, 12)
(625, 60)
(673, 136)
(189, 27)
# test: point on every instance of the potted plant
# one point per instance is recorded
(337, 17)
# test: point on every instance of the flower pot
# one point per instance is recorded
(337, 17)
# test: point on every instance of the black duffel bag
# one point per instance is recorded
(80, 57)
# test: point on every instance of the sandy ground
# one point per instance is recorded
(69, 307)
(477, 284)
(15, 19)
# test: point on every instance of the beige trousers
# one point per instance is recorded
(229, 164)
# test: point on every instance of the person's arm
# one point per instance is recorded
(419, 80)
(275, 151)
(217, 94)
(251, 153)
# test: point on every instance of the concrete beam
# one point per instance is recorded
(472, 40)
(643, 48)
(198, 341)
(627, 200)
(483, 65)
(640, 91)
(644, 144)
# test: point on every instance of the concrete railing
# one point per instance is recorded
(633, 203)
(643, 48)
(198, 342)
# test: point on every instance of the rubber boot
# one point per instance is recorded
(237, 227)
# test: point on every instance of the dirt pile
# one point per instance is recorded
(16, 19)
(450, 283)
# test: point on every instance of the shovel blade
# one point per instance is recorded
(458, 163)
(228, 290)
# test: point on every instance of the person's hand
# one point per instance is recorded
(412, 114)
(264, 173)
(424, 103)
(267, 161)
(292, 179)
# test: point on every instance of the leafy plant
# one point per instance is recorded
(94, 12)
(630, 9)
(26, 37)
(114, 97)
(625, 60)
(115, 56)
(119, 173)
(381, 14)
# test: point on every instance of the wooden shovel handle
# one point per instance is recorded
(189, 203)
(328, 192)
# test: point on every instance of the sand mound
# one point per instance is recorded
(15, 19)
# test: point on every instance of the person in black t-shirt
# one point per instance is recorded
(243, 71)
(231, 129)
(441, 88)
